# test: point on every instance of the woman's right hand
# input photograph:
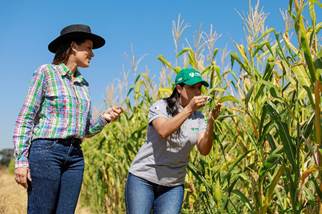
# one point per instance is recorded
(22, 175)
(112, 114)
(197, 102)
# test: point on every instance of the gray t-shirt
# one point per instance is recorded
(164, 161)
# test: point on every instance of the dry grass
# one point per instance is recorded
(13, 198)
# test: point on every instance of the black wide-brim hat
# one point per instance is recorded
(76, 31)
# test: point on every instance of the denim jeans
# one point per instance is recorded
(56, 169)
(142, 196)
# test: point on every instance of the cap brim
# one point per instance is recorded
(98, 41)
(196, 81)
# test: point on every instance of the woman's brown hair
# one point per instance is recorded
(64, 50)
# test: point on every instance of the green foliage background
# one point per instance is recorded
(266, 149)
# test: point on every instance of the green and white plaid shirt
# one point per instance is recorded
(55, 107)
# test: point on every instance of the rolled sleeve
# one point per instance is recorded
(95, 126)
(158, 109)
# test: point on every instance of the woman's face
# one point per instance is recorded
(187, 92)
(83, 53)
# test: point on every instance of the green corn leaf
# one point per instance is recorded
(307, 127)
(248, 95)
(268, 31)
(318, 27)
(234, 57)
(220, 90)
(191, 56)
(299, 71)
(271, 142)
(317, 2)
(212, 76)
(240, 158)
(218, 192)
(301, 32)
(217, 69)
(183, 51)
(271, 49)
(243, 198)
(130, 90)
(312, 12)
(267, 76)
(274, 93)
(317, 187)
(260, 47)
(284, 134)
(309, 95)
(290, 47)
(166, 63)
(261, 124)
(214, 54)
(228, 98)
(197, 175)
(286, 87)
(271, 162)
(137, 78)
(318, 64)
(278, 173)
(243, 53)
(166, 91)
(280, 47)
(317, 110)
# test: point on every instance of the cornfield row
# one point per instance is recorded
(266, 156)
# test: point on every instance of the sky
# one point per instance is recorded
(27, 26)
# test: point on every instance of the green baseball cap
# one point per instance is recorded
(190, 76)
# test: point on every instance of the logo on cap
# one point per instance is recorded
(192, 74)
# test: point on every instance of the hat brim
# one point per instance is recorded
(196, 81)
(98, 41)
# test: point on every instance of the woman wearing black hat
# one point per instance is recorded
(55, 117)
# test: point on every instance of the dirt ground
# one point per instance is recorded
(13, 198)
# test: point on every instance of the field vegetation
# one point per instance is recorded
(266, 155)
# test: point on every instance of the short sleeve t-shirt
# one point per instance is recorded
(164, 161)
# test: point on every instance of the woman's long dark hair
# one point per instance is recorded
(173, 103)
(64, 50)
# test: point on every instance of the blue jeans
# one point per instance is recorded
(142, 196)
(56, 169)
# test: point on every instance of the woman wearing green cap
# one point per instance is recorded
(156, 176)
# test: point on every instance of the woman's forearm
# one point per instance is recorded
(165, 127)
(205, 143)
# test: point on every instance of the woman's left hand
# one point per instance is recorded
(112, 114)
(215, 111)
(22, 175)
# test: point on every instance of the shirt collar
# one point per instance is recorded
(64, 71)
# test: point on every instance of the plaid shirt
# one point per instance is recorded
(55, 107)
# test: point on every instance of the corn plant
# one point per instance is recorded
(266, 150)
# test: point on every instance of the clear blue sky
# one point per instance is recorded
(27, 26)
